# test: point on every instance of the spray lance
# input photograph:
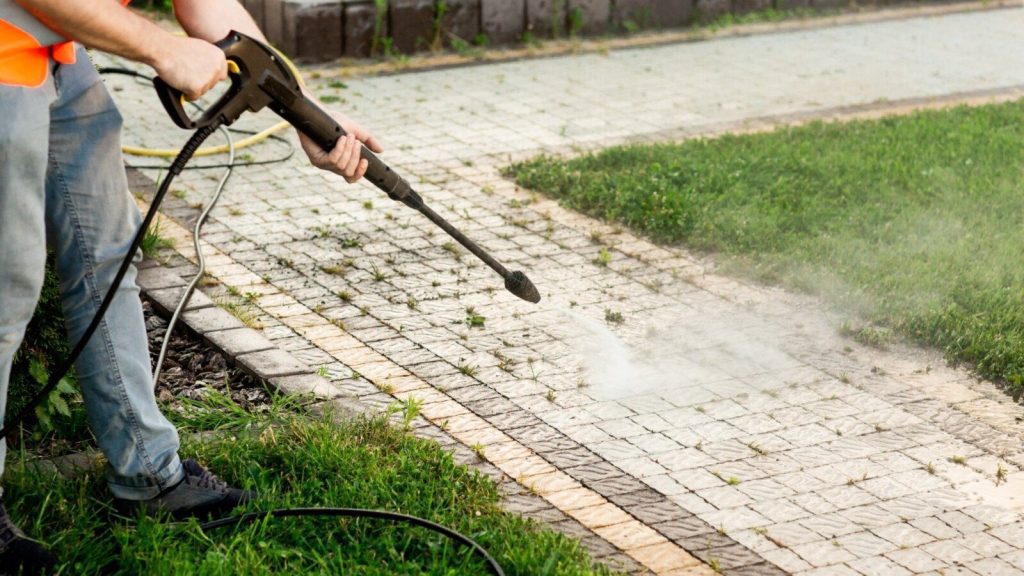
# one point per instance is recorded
(262, 77)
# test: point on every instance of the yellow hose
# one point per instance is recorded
(209, 150)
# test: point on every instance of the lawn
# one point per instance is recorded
(293, 460)
(914, 223)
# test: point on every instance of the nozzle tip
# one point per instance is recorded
(518, 284)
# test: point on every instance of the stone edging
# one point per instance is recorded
(243, 347)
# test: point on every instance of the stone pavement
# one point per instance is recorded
(694, 422)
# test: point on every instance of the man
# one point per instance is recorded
(62, 182)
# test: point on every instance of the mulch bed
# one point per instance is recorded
(192, 368)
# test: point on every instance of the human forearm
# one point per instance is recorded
(211, 20)
(104, 25)
(188, 64)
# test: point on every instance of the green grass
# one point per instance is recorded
(153, 242)
(915, 223)
(294, 461)
(165, 6)
(767, 15)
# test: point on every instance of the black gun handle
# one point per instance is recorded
(314, 122)
(174, 100)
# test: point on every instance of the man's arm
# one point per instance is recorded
(211, 20)
(190, 65)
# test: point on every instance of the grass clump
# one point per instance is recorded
(613, 317)
(153, 241)
(912, 222)
(298, 461)
(474, 319)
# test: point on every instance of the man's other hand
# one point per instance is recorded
(192, 66)
(345, 159)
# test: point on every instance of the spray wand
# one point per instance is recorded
(262, 77)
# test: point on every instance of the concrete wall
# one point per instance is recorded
(322, 30)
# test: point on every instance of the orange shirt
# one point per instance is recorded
(23, 58)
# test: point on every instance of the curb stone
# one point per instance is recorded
(243, 346)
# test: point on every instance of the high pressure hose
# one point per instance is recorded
(229, 167)
(196, 231)
(58, 374)
(492, 564)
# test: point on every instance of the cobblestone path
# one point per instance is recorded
(718, 425)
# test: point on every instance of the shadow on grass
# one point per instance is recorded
(297, 461)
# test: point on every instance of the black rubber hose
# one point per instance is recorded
(492, 564)
(56, 375)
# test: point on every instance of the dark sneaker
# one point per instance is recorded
(18, 554)
(200, 494)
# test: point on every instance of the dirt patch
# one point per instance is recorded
(192, 368)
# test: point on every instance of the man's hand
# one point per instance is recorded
(192, 66)
(345, 158)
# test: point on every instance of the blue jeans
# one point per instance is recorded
(62, 183)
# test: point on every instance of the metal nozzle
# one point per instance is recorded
(518, 284)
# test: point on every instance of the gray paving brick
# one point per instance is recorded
(993, 567)
(984, 545)
(834, 570)
(759, 569)
(729, 557)
(878, 566)
(779, 511)
(606, 484)
(831, 525)
(238, 341)
(1012, 534)
(656, 512)
(935, 528)
(790, 534)
(869, 516)
(271, 364)
(823, 553)
(950, 551)
(724, 497)
(865, 544)
(787, 560)
(903, 535)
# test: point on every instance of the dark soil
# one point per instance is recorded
(192, 367)
(190, 370)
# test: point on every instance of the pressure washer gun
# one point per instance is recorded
(262, 77)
